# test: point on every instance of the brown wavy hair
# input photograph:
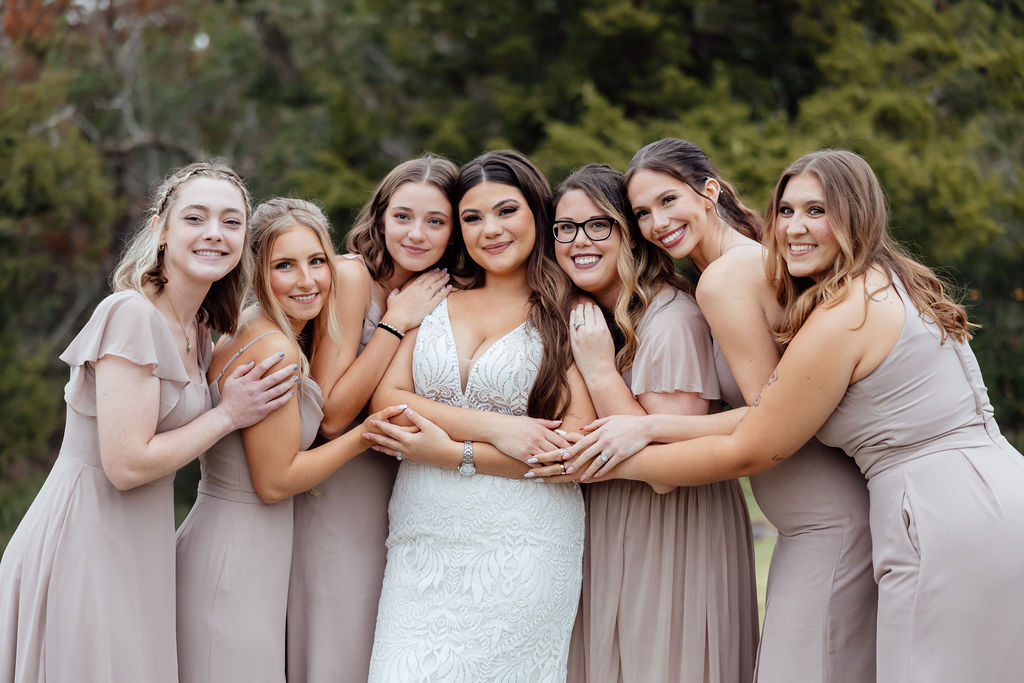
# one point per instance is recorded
(643, 267)
(366, 237)
(270, 219)
(857, 214)
(687, 162)
(550, 288)
(142, 264)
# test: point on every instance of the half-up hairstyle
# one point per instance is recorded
(642, 266)
(857, 215)
(366, 237)
(687, 162)
(550, 288)
(142, 265)
(272, 218)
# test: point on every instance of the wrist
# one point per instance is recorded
(394, 330)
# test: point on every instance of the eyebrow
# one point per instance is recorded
(411, 210)
(503, 202)
(203, 207)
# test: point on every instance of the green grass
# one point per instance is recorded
(764, 544)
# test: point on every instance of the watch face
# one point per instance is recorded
(467, 468)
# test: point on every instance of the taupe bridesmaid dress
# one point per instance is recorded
(234, 560)
(668, 584)
(338, 565)
(947, 512)
(87, 581)
(819, 622)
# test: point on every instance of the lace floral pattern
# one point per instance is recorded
(483, 573)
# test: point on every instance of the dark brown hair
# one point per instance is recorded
(550, 288)
(687, 162)
(366, 237)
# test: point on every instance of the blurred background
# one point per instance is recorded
(99, 99)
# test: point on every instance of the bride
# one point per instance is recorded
(483, 571)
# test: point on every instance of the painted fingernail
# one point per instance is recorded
(291, 393)
(530, 475)
(570, 469)
(295, 367)
(280, 354)
(530, 461)
(561, 431)
(402, 406)
(583, 477)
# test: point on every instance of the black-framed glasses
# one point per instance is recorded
(597, 229)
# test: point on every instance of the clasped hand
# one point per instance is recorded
(607, 442)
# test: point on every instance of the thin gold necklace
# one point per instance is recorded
(188, 344)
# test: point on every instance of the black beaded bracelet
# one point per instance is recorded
(392, 330)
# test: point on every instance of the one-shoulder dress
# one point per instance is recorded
(87, 581)
(483, 573)
(947, 511)
(338, 564)
(234, 560)
(668, 590)
(819, 621)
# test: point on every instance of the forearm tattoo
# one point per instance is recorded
(771, 380)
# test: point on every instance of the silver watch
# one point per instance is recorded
(467, 468)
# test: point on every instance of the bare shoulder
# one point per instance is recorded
(736, 273)
(256, 339)
(352, 272)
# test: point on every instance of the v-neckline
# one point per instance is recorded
(475, 361)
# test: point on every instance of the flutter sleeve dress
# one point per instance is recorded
(668, 590)
(946, 511)
(234, 557)
(87, 582)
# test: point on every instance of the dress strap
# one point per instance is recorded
(240, 351)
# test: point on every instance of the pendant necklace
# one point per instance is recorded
(188, 344)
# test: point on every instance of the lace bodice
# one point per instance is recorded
(483, 573)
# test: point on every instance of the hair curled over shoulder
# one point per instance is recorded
(550, 288)
(642, 266)
(687, 162)
(857, 214)
(366, 237)
(272, 218)
(142, 263)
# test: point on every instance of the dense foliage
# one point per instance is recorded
(99, 99)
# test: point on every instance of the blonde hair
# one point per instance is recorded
(272, 218)
(642, 266)
(857, 214)
(366, 237)
(142, 263)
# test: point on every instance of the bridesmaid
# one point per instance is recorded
(234, 551)
(87, 581)
(820, 608)
(340, 526)
(669, 592)
(878, 364)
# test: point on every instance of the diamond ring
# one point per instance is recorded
(603, 457)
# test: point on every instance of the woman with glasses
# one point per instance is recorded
(819, 621)
(668, 592)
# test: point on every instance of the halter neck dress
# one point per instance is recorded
(947, 511)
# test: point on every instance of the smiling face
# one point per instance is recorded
(300, 276)
(669, 212)
(802, 230)
(417, 227)
(591, 265)
(498, 227)
(204, 235)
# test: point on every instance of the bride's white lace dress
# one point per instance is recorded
(483, 573)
